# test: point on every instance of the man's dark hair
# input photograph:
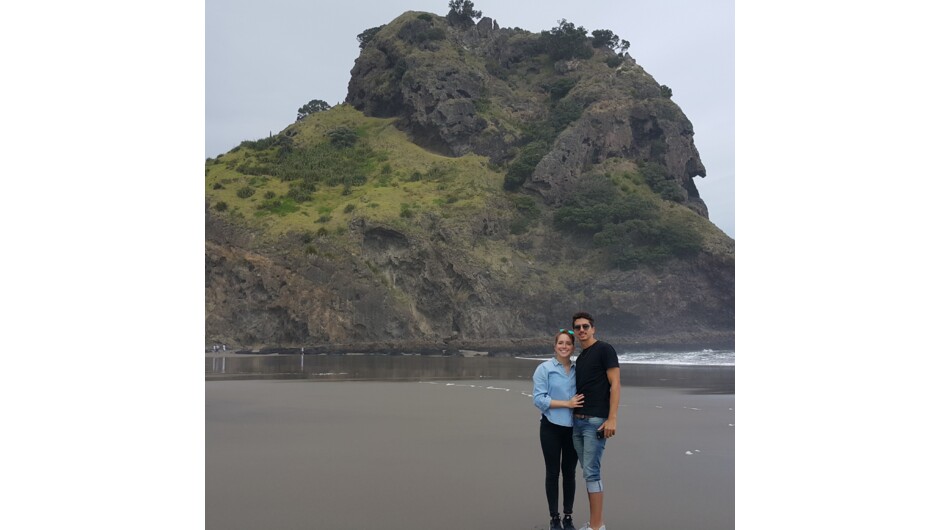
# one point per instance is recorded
(582, 314)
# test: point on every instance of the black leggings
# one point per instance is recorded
(557, 446)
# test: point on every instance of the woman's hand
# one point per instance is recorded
(576, 401)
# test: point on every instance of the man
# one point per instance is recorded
(598, 379)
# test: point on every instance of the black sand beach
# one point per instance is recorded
(301, 454)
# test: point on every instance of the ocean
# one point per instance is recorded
(708, 370)
(688, 358)
(685, 358)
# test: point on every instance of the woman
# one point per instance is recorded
(553, 393)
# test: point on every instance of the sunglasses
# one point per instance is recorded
(566, 330)
(579, 327)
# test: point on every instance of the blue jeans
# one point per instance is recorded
(590, 450)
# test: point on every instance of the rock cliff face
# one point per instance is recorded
(422, 294)
(433, 282)
(437, 88)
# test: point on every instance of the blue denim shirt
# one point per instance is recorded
(551, 382)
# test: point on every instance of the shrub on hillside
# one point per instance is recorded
(604, 38)
(658, 179)
(526, 205)
(614, 61)
(420, 30)
(325, 163)
(255, 169)
(524, 164)
(496, 69)
(681, 238)
(358, 179)
(560, 88)
(312, 107)
(565, 41)
(527, 211)
(259, 145)
(435, 33)
(461, 13)
(563, 113)
(343, 137)
(244, 193)
(366, 36)
(302, 192)
(277, 206)
(628, 227)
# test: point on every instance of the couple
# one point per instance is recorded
(579, 413)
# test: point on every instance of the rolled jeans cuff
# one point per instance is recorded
(595, 486)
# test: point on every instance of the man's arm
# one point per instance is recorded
(610, 426)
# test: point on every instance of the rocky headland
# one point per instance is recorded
(471, 194)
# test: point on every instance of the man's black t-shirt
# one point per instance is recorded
(591, 378)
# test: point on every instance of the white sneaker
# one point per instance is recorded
(588, 527)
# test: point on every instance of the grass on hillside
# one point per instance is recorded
(403, 181)
(303, 180)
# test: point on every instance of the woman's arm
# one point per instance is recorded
(540, 389)
(540, 397)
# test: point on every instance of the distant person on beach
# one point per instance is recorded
(598, 380)
(553, 393)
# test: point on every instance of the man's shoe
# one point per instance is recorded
(555, 524)
(567, 523)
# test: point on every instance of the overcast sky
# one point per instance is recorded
(265, 59)
(105, 245)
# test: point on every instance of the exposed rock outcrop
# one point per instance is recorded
(625, 113)
(433, 280)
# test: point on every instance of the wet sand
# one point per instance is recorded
(296, 454)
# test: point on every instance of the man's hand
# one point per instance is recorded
(609, 427)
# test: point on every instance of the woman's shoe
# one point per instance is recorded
(567, 523)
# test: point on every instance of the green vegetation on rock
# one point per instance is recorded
(339, 158)
(565, 41)
(462, 13)
(629, 226)
(479, 182)
(313, 106)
